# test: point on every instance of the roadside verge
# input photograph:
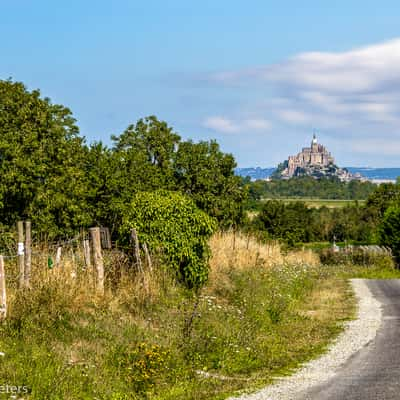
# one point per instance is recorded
(357, 334)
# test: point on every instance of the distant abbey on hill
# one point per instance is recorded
(315, 161)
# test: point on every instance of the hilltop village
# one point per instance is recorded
(315, 161)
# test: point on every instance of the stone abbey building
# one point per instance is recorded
(315, 161)
(315, 156)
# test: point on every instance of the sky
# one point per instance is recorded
(258, 76)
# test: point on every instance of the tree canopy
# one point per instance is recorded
(41, 163)
(51, 176)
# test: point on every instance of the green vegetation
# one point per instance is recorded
(149, 338)
(318, 203)
(173, 227)
(372, 221)
(389, 229)
(295, 222)
(51, 176)
(308, 188)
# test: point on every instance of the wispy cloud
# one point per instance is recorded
(358, 90)
(228, 125)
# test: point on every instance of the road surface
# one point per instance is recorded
(373, 373)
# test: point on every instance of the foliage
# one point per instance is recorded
(41, 174)
(383, 197)
(295, 222)
(49, 175)
(289, 222)
(324, 188)
(145, 152)
(172, 225)
(389, 230)
(357, 257)
(206, 174)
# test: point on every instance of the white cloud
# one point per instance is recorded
(374, 146)
(294, 116)
(358, 89)
(257, 124)
(221, 124)
(227, 125)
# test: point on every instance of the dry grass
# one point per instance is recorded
(238, 250)
(305, 256)
(325, 304)
(241, 251)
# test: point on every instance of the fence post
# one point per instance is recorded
(58, 256)
(21, 253)
(3, 296)
(86, 252)
(136, 249)
(148, 258)
(28, 253)
(97, 257)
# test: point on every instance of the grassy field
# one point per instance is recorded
(261, 314)
(317, 203)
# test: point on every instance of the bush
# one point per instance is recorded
(173, 227)
(356, 257)
(389, 230)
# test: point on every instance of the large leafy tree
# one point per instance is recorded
(152, 156)
(206, 174)
(105, 178)
(41, 174)
(145, 152)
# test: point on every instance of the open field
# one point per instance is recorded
(317, 203)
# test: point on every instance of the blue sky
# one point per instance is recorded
(258, 76)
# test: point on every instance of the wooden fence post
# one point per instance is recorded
(148, 258)
(58, 256)
(86, 252)
(3, 296)
(136, 249)
(97, 257)
(21, 253)
(28, 254)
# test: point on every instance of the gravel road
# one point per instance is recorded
(346, 370)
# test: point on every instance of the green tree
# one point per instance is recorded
(145, 152)
(383, 197)
(41, 162)
(389, 230)
(206, 174)
(107, 189)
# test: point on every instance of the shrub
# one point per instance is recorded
(172, 226)
(357, 257)
(389, 230)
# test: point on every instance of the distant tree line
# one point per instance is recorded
(295, 222)
(324, 188)
(375, 222)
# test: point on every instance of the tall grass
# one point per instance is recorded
(148, 337)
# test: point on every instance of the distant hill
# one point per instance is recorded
(370, 173)
(376, 173)
(255, 173)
